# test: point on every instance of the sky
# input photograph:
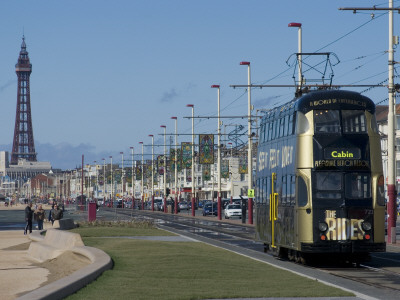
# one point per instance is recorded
(106, 74)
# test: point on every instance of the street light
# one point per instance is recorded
(193, 176)
(133, 182)
(112, 186)
(176, 164)
(122, 177)
(231, 172)
(249, 154)
(152, 171)
(165, 167)
(104, 182)
(298, 25)
(219, 154)
(142, 177)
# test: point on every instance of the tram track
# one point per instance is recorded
(381, 275)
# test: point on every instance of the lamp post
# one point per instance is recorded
(218, 154)
(231, 172)
(97, 180)
(112, 186)
(152, 171)
(132, 180)
(122, 177)
(142, 177)
(193, 176)
(165, 167)
(300, 76)
(104, 182)
(176, 164)
(249, 154)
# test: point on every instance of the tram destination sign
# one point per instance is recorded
(342, 153)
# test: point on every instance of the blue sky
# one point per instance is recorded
(106, 74)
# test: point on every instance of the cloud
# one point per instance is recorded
(64, 156)
(169, 96)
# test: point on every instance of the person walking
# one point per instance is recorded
(28, 218)
(57, 213)
(39, 215)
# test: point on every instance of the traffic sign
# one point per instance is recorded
(250, 193)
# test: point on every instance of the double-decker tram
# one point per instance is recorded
(319, 178)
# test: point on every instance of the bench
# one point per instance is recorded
(54, 243)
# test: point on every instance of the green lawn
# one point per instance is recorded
(186, 270)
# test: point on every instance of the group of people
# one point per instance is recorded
(39, 215)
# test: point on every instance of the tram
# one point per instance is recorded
(319, 179)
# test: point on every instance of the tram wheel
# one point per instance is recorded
(266, 248)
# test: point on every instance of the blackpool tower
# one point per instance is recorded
(23, 144)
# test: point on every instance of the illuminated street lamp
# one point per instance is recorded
(142, 177)
(176, 164)
(249, 154)
(152, 171)
(193, 177)
(219, 154)
(165, 167)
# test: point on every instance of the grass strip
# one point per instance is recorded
(186, 270)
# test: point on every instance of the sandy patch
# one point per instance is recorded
(20, 274)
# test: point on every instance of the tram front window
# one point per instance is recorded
(326, 121)
(329, 185)
(357, 186)
(354, 121)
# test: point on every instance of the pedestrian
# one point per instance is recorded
(28, 218)
(39, 215)
(57, 213)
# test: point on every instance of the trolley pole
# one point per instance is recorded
(391, 176)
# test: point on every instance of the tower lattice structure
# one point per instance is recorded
(23, 143)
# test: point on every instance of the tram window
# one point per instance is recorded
(354, 121)
(381, 191)
(284, 190)
(281, 127)
(291, 125)
(357, 185)
(287, 125)
(302, 194)
(292, 187)
(374, 125)
(326, 121)
(268, 131)
(328, 185)
(268, 188)
(264, 199)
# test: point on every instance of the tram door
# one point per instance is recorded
(273, 208)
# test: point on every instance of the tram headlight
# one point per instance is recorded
(366, 226)
(322, 226)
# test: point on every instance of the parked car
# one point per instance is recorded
(233, 210)
(210, 208)
(183, 205)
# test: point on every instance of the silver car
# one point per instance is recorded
(233, 210)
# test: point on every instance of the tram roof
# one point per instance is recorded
(324, 99)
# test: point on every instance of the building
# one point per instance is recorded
(382, 120)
